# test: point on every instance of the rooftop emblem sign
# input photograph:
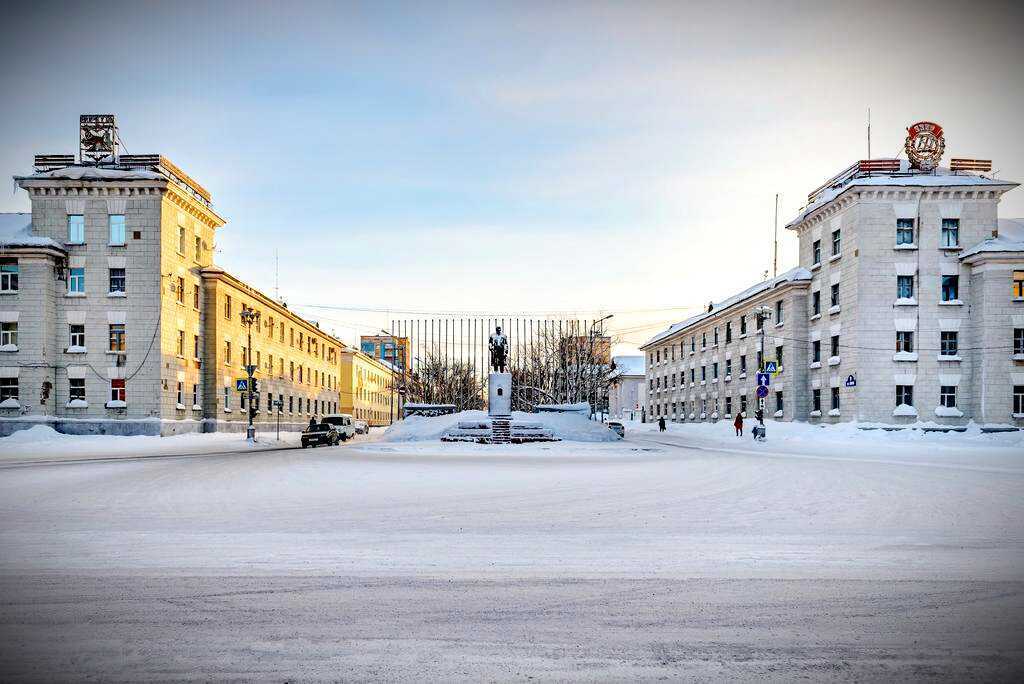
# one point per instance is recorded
(97, 137)
(925, 145)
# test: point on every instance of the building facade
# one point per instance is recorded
(115, 310)
(912, 305)
(369, 388)
(627, 397)
(389, 348)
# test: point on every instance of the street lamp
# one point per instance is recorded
(394, 342)
(250, 317)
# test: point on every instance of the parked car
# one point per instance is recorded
(617, 427)
(320, 434)
(343, 423)
(362, 427)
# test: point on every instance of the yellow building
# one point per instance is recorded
(298, 364)
(367, 386)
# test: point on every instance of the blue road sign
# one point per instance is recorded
(763, 379)
(851, 381)
(762, 391)
(241, 385)
(771, 367)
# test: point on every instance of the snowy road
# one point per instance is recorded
(642, 559)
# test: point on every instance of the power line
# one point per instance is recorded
(493, 314)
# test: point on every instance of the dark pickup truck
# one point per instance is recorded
(322, 433)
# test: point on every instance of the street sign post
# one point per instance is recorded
(241, 384)
(851, 380)
(762, 392)
(763, 379)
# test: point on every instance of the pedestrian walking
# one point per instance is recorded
(312, 424)
(661, 424)
(738, 424)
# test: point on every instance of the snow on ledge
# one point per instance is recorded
(904, 410)
(10, 403)
(948, 412)
(77, 403)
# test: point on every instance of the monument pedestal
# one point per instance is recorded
(499, 394)
(498, 427)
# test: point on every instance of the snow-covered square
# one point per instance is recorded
(691, 554)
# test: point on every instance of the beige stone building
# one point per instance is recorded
(368, 388)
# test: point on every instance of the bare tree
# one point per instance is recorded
(441, 380)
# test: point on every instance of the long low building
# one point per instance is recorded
(115, 320)
(907, 307)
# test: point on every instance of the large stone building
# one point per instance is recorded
(369, 389)
(907, 305)
(626, 394)
(115, 319)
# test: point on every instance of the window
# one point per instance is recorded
(778, 401)
(1018, 340)
(743, 403)
(657, 356)
(760, 361)
(950, 232)
(714, 370)
(703, 373)
(816, 351)
(181, 393)
(1018, 284)
(117, 232)
(181, 344)
(728, 332)
(117, 280)
(195, 347)
(904, 231)
(77, 335)
(904, 341)
(1018, 399)
(904, 395)
(950, 288)
(728, 405)
(195, 296)
(835, 345)
(703, 340)
(728, 367)
(834, 301)
(117, 337)
(816, 302)
(181, 239)
(242, 396)
(948, 343)
(291, 404)
(947, 396)
(716, 335)
(779, 311)
(693, 343)
(76, 389)
(117, 388)
(743, 325)
(76, 281)
(227, 398)
(195, 395)
(180, 291)
(199, 248)
(227, 307)
(8, 275)
(693, 375)
(227, 351)
(816, 400)
(816, 252)
(76, 229)
(9, 333)
(835, 398)
(905, 286)
(8, 389)
(778, 356)
(837, 242)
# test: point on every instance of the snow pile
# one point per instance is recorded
(16, 231)
(570, 427)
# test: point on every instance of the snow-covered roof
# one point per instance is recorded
(93, 173)
(1011, 239)
(941, 178)
(16, 231)
(628, 365)
(793, 275)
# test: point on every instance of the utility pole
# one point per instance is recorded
(763, 313)
(394, 344)
(593, 360)
(249, 317)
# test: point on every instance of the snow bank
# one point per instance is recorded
(567, 426)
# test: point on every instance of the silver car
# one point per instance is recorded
(618, 428)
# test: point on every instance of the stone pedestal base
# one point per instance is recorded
(499, 394)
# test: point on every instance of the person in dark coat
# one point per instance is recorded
(661, 424)
(738, 424)
(760, 416)
(312, 423)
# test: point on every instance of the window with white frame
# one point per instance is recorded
(816, 302)
(1018, 399)
(949, 343)
(117, 390)
(195, 394)
(76, 335)
(905, 231)
(837, 242)
(76, 389)
(117, 230)
(8, 275)
(835, 398)
(905, 286)
(181, 239)
(947, 396)
(816, 253)
(181, 343)
(904, 395)
(180, 291)
(227, 397)
(8, 389)
(117, 280)
(76, 280)
(950, 232)
(834, 295)
(181, 393)
(904, 341)
(779, 312)
(9, 333)
(117, 337)
(76, 229)
(816, 351)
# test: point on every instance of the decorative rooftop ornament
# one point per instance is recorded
(97, 138)
(925, 145)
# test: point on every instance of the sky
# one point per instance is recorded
(511, 157)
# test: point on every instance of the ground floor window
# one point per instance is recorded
(904, 395)
(227, 397)
(181, 392)
(816, 400)
(947, 396)
(76, 389)
(1018, 399)
(728, 405)
(835, 398)
(778, 401)
(8, 389)
(743, 403)
(1018, 340)
(117, 390)
(195, 395)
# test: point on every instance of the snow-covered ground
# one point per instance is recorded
(688, 554)
(574, 427)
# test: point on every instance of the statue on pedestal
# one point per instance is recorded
(498, 346)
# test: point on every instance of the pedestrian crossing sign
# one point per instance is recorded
(771, 367)
(241, 384)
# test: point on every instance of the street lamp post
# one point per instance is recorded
(763, 313)
(250, 317)
(394, 343)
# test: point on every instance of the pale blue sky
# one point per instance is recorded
(512, 157)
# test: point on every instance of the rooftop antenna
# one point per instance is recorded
(277, 289)
(775, 244)
(869, 132)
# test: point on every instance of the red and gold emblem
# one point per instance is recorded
(925, 145)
